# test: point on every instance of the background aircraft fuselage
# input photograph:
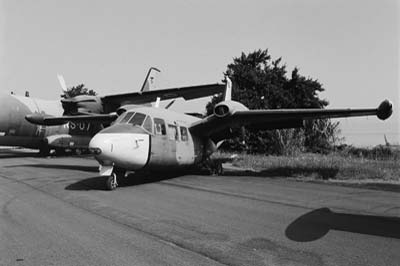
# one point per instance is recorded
(16, 131)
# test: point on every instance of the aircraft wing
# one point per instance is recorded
(213, 126)
(39, 119)
(112, 102)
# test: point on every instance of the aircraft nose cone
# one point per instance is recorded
(99, 144)
(4, 114)
(127, 150)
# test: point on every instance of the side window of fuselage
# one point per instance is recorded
(184, 134)
(126, 117)
(159, 127)
(173, 132)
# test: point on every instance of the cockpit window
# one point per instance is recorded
(148, 124)
(126, 117)
(159, 126)
(137, 119)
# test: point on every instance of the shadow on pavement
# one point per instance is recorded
(8, 154)
(374, 185)
(84, 168)
(321, 173)
(316, 224)
(99, 182)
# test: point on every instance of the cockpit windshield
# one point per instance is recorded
(126, 117)
(137, 119)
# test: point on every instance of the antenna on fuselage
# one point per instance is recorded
(228, 89)
(157, 104)
(170, 103)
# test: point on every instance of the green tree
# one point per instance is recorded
(262, 83)
(78, 90)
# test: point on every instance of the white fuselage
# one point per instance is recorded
(147, 137)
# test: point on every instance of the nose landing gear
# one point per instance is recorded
(112, 180)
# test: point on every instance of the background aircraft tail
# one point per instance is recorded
(150, 80)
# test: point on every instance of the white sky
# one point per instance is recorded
(351, 47)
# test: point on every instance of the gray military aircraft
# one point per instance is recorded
(16, 131)
(151, 138)
(75, 135)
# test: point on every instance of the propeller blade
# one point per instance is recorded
(62, 83)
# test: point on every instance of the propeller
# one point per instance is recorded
(62, 84)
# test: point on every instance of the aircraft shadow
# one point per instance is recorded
(83, 168)
(316, 224)
(17, 154)
(376, 186)
(98, 182)
(322, 173)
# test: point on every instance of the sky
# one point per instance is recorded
(350, 46)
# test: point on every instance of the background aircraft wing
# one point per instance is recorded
(112, 102)
(218, 126)
(39, 119)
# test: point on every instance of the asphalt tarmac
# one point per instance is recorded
(56, 211)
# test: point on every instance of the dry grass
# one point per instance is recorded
(317, 166)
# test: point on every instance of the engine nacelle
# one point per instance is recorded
(82, 104)
(226, 108)
(126, 107)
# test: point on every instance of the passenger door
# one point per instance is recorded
(184, 147)
(163, 149)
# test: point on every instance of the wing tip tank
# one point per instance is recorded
(385, 110)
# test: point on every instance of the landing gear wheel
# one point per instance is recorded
(111, 182)
(60, 151)
(44, 151)
(216, 168)
(120, 174)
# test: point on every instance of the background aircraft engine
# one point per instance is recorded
(226, 108)
(82, 104)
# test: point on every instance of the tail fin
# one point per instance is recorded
(149, 82)
(228, 90)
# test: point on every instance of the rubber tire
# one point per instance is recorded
(216, 169)
(44, 151)
(111, 182)
(219, 169)
(60, 151)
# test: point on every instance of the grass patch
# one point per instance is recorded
(317, 166)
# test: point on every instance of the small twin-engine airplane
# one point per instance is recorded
(15, 110)
(153, 138)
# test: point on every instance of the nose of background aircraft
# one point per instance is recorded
(124, 146)
(4, 114)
